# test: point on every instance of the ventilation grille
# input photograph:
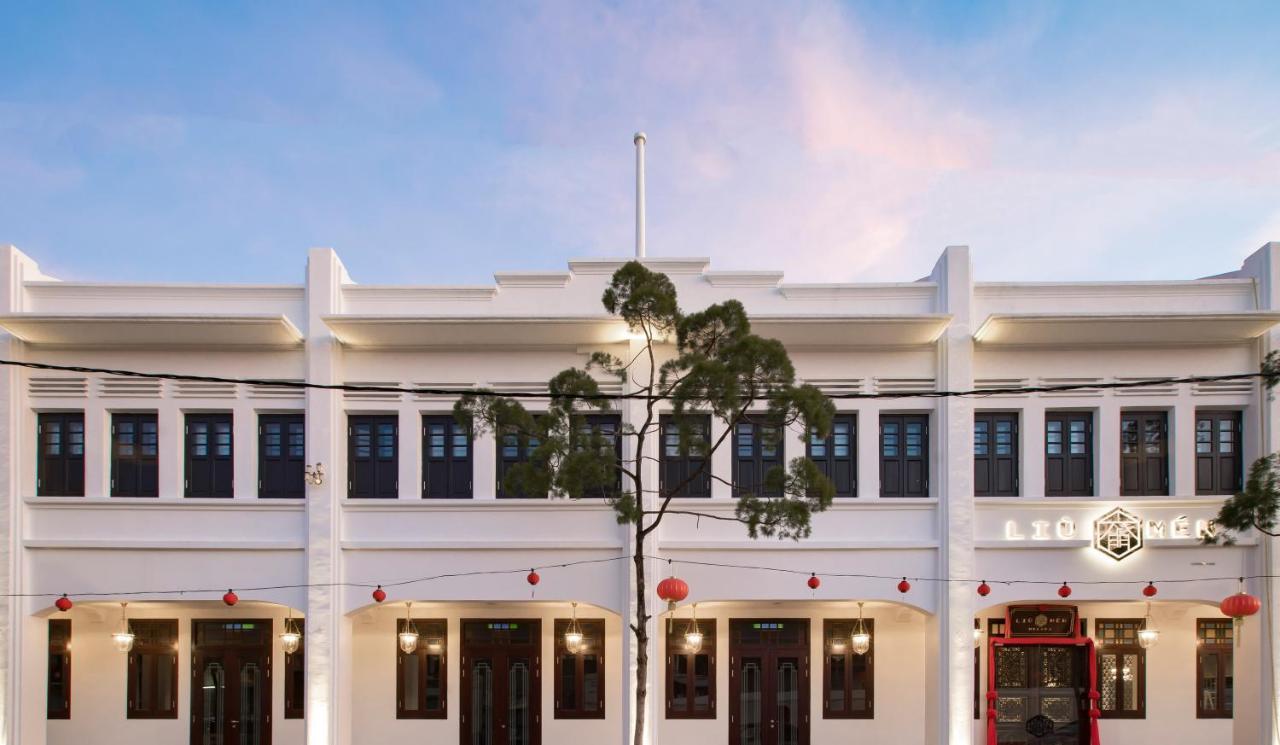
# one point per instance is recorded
(1168, 389)
(1078, 393)
(905, 385)
(518, 387)
(995, 384)
(837, 386)
(129, 388)
(58, 387)
(1222, 388)
(276, 392)
(371, 395)
(610, 387)
(203, 389)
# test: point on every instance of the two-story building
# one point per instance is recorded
(146, 499)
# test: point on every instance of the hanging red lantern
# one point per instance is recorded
(63, 603)
(814, 582)
(673, 590)
(231, 598)
(1064, 591)
(904, 586)
(1240, 605)
(379, 594)
(984, 589)
(533, 578)
(1150, 590)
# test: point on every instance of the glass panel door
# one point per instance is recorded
(787, 714)
(751, 700)
(212, 700)
(231, 683)
(482, 701)
(252, 719)
(519, 717)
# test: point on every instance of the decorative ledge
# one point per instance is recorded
(487, 545)
(788, 545)
(532, 279)
(91, 545)
(473, 505)
(139, 330)
(405, 293)
(165, 503)
(743, 279)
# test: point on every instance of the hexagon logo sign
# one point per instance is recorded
(1118, 533)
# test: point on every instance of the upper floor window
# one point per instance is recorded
(446, 458)
(60, 457)
(607, 429)
(282, 453)
(691, 670)
(153, 670)
(1122, 668)
(683, 464)
(579, 685)
(904, 455)
(134, 455)
(995, 454)
(1215, 687)
(58, 698)
(757, 450)
(1144, 457)
(209, 462)
(373, 464)
(847, 679)
(420, 674)
(515, 448)
(1219, 465)
(836, 454)
(1068, 454)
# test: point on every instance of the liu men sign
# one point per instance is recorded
(1118, 533)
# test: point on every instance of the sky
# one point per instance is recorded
(837, 141)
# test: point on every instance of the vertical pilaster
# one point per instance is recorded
(952, 629)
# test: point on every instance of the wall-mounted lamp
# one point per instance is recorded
(314, 475)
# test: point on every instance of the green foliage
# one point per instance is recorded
(1256, 507)
(806, 490)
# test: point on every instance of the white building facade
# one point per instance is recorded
(129, 489)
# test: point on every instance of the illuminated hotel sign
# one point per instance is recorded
(1118, 533)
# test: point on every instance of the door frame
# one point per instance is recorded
(770, 652)
(1091, 675)
(234, 652)
(499, 651)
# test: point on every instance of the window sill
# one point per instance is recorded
(167, 503)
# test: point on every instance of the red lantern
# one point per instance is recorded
(533, 578)
(1240, 605)
(904, 586)
(230, 598)
(1064, 591)
(63, 603)
(1150, 590)
(984, 589)
(814, 582)
(379, 594)
(673, 590)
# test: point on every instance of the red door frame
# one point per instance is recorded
(1058, 641)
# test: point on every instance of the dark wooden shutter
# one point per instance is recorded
(209, 459)
(758, 448)
(446, 458)
(1068, 448)
(281, 456)
(1144, 461)
(995, 454)
(60, 455)
(836, 455)
(904, 455)
(609, 427)
(1219, 468)
(679, 459)
(135, 444)
(373, 457)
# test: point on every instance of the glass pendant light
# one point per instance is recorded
(692, 634)
(290, 639)
(122, 640)
(1148, 635)
(573, 635)
(408, 637)
(860, 640)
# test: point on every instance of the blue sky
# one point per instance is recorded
(838, 141)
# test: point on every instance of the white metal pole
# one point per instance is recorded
(639, 141)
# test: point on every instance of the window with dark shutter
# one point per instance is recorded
(135, 443)
(60, 455)
(995, 454)
(605, 430)
(373, 470)
(757, 450)
(579, 684)
(847, 678)
(420, 675)
(153, 670)
(1144, 459)
(209, 458)
(1122, 668)
(1215, 678)
(1219, 466)
(295, 675)
(682, 464)
(836, 454)
(282, 452)
(1068, 454)
(58, 698)
(904, 455)
(515, 448)
(691, 673)
(446, 458)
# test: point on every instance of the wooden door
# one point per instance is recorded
(1042, 695)
(501, 701)
(769, 682)
(231, 684)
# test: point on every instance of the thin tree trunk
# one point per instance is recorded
(641, 630)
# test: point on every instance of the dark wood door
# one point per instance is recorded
(1042, 695)
(769, 682)
(501, 700)
(231, 684)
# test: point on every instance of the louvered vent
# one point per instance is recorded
(612, 387)
(837, 386)
(459, 387)
(1223, 388)
(997, 384)
(1080, 392)
(129, 388)
(517, 387)
(1166, 389)
(905, 385)
(203, 389)
(371, 395)
(276, 391)
(57, 387)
